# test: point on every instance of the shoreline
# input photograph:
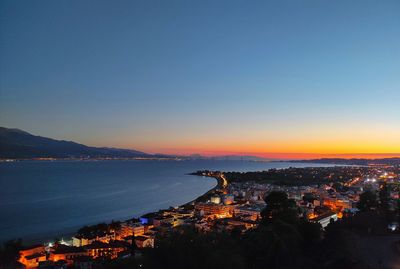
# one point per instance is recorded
(220, 184)
(68, 235)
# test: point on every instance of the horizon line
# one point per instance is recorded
(290, 155)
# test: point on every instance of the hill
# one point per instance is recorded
(18, 144)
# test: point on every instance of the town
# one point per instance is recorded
(235, 204)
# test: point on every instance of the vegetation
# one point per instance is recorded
(9, 254)
(296, 176)
(98, 229)
(282, 240)
(368, 201)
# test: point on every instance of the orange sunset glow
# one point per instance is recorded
(292, 144)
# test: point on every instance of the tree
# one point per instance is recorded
(398, 210)
(279, 206)
(186, 248)
(311, 232)
(9, 254)
(114, 226)
(384, 198)
(94, 230)
(308, 197)
(133, 246)
(368, 201)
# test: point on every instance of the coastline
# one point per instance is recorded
(66, 232)
(67, 235)
(220, 184)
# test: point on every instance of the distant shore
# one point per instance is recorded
(94, 159)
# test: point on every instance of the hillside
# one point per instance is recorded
(18, 144)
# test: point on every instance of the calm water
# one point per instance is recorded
(43, 200)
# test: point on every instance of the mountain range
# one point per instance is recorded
(18, 144)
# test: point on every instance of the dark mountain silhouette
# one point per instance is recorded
(18, 144)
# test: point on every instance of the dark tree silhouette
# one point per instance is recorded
(368, 201)
(279, 207)
(384, 197)
(9, 254)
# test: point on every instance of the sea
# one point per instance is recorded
(44, 200)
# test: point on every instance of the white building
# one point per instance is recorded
(216, 199)
(325, 219)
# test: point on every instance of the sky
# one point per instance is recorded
(266, 78)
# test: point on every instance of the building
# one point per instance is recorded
(144, 241)
(246, 224)
(182, 213)
(325, 218)
(251, 212)
(215, 199)
(32, 261)
(32, 256)
(336, 204)
(105, 250)
(228, 199)
(168, 219)
(128, 229)
(80, 241)
(66, 253)
(214, 210)
(147, 219)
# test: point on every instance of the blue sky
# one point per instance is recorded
(192, 76)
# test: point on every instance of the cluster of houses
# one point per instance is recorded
(236, 206)
(62, 256)
(85, 250)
